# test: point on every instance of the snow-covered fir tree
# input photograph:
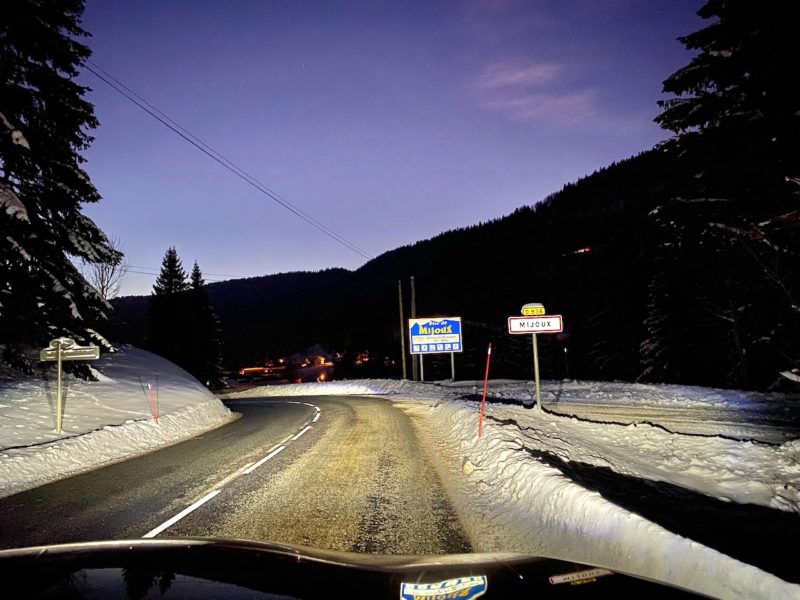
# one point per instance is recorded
(44, 125)
(730, 245)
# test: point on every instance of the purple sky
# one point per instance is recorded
(389, 122)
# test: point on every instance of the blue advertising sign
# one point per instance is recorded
(434, 335)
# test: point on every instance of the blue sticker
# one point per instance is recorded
(463, 587)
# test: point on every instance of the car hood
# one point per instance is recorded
(214, 568)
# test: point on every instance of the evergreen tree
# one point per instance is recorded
(197, 281)
(168, 322)
(182, 325)
(172, 278)
(729, 244)
(205, 350)
(44, 121)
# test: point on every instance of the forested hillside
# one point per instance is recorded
(583, 252)
(679, 265)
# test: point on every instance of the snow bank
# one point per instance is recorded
(720, 467)
(103, 421)
(514, 503)
(356, 387)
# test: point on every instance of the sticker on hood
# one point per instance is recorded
(580, 576)
(462, 587)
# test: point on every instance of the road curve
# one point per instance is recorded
(337, 473)
(357, 481)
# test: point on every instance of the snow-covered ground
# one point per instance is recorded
(507, 498)
(103, 421)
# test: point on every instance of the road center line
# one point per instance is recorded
(316, 418)
(253, 467)
(169, 523)
(245, 471)
(301, 433)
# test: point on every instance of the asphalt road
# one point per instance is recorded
(331, 473)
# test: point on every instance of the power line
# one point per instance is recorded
(155, 271)
(154, 274)
(154, 112)
(212, 279)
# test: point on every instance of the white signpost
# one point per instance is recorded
(535, 321)
(543, 324)
(62, 349)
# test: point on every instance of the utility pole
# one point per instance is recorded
(402, 328)
(414, 374)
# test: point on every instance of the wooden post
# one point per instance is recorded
(402, 327)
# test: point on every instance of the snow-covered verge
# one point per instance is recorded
(509, 501)
(508, 498)
(714, 464)
(103, 421)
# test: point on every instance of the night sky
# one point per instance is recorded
(388, 122)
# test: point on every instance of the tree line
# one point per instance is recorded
(677, 265)
(181, 323)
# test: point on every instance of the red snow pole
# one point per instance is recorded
(485, 383)
(151, 398)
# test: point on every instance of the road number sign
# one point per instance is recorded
(533, 309)
(540, 324)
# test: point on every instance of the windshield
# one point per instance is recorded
(406, 279)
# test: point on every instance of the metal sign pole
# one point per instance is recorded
(453, 366)
(421, 368)
(536, 374)
(413, 316)
(58, 392)
(534, 321)
(59, 350)
(402, 328)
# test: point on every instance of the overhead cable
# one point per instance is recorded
(154, 112)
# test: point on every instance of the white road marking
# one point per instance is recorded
(274, 451)
(253, 467)
(169, 523)
(302, 432)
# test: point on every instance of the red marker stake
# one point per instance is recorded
(153, 402)
(485, 383)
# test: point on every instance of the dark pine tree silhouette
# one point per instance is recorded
(728, 263)
(168, 322)
(204, 335)
(172, 278)
(44, 121)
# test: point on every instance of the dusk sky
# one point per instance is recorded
(388, 122)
